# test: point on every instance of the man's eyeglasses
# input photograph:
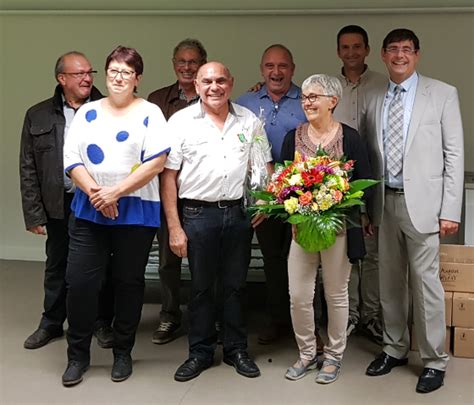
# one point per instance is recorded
(80, 75)
(406, 50)
(182, 63)
(126, 74)
(312, 97)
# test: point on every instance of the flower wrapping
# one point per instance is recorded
(257, 174)
(315, 194)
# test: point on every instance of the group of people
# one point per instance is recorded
(104, 175)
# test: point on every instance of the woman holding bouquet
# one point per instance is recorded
(319, 98)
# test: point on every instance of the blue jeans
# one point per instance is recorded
(219, 241)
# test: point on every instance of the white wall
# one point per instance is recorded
(31, 42)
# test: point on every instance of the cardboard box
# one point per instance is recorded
(463, 310)
(414, 343)
(464, 342)
(448, 307)
(457, 267)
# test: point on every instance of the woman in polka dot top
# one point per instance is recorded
(113, 152)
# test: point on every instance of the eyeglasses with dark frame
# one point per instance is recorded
(125, 74)
(80, 75)
(406, 50)
(182, 63)
(312, 97)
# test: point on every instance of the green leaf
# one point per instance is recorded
(350, 203)
(297, 219)
(263, 195)
(361, 184)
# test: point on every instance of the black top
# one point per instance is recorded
(354, 148)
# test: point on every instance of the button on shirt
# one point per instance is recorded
(408, 99)
(348, 108)
(212, 163)
(279, 117)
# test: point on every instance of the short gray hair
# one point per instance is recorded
(191, 43)
(59, 67)
(331, 85)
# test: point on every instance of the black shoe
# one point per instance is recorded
(122, 368)
(74, 372)
(165, 333)
(430, 380)
(41, 337)
(105, 336)
(383, 364)
(269, 334)
(243, 364)
(190, 369)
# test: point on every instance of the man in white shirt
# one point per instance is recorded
(206, 169)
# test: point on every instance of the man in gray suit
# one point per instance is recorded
(415, 138)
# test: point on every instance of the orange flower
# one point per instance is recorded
(305, 198)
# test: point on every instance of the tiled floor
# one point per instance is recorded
(34, 376)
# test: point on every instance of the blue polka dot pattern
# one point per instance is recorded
(122, 136)
(145, 122)
(95, 154)
(91, 115)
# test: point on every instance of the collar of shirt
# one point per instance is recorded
(293, 92)
(406, 85)
(182, 96)
(362, 78)
(201, 113)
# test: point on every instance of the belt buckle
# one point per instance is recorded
(222, 206)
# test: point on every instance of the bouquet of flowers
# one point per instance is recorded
(315, 194)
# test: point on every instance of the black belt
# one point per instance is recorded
(395, 190)
(215, 204)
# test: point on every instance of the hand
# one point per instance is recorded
(110, 212)
(178, 242)
(38, 230)
(447, 227)
(256, 87)
(367, 227)
(102, 197)
(257, 219)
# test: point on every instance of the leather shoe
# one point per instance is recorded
(191, 368)
(383, 364)
(122, 368)
(243, 364)
(41, 337)
(430, 380)
(74, 372)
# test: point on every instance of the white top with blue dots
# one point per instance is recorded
(112, 147)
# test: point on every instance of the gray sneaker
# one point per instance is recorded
(351, 326)
(166, 332)
(295, 373)
(373, 329)
(325, 376)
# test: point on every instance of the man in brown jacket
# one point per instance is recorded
(188, 56)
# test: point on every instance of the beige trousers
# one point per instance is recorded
(302, 272)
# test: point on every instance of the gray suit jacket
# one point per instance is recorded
(433, 163)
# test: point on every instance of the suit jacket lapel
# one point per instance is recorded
(379, 120)
(421, 100)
